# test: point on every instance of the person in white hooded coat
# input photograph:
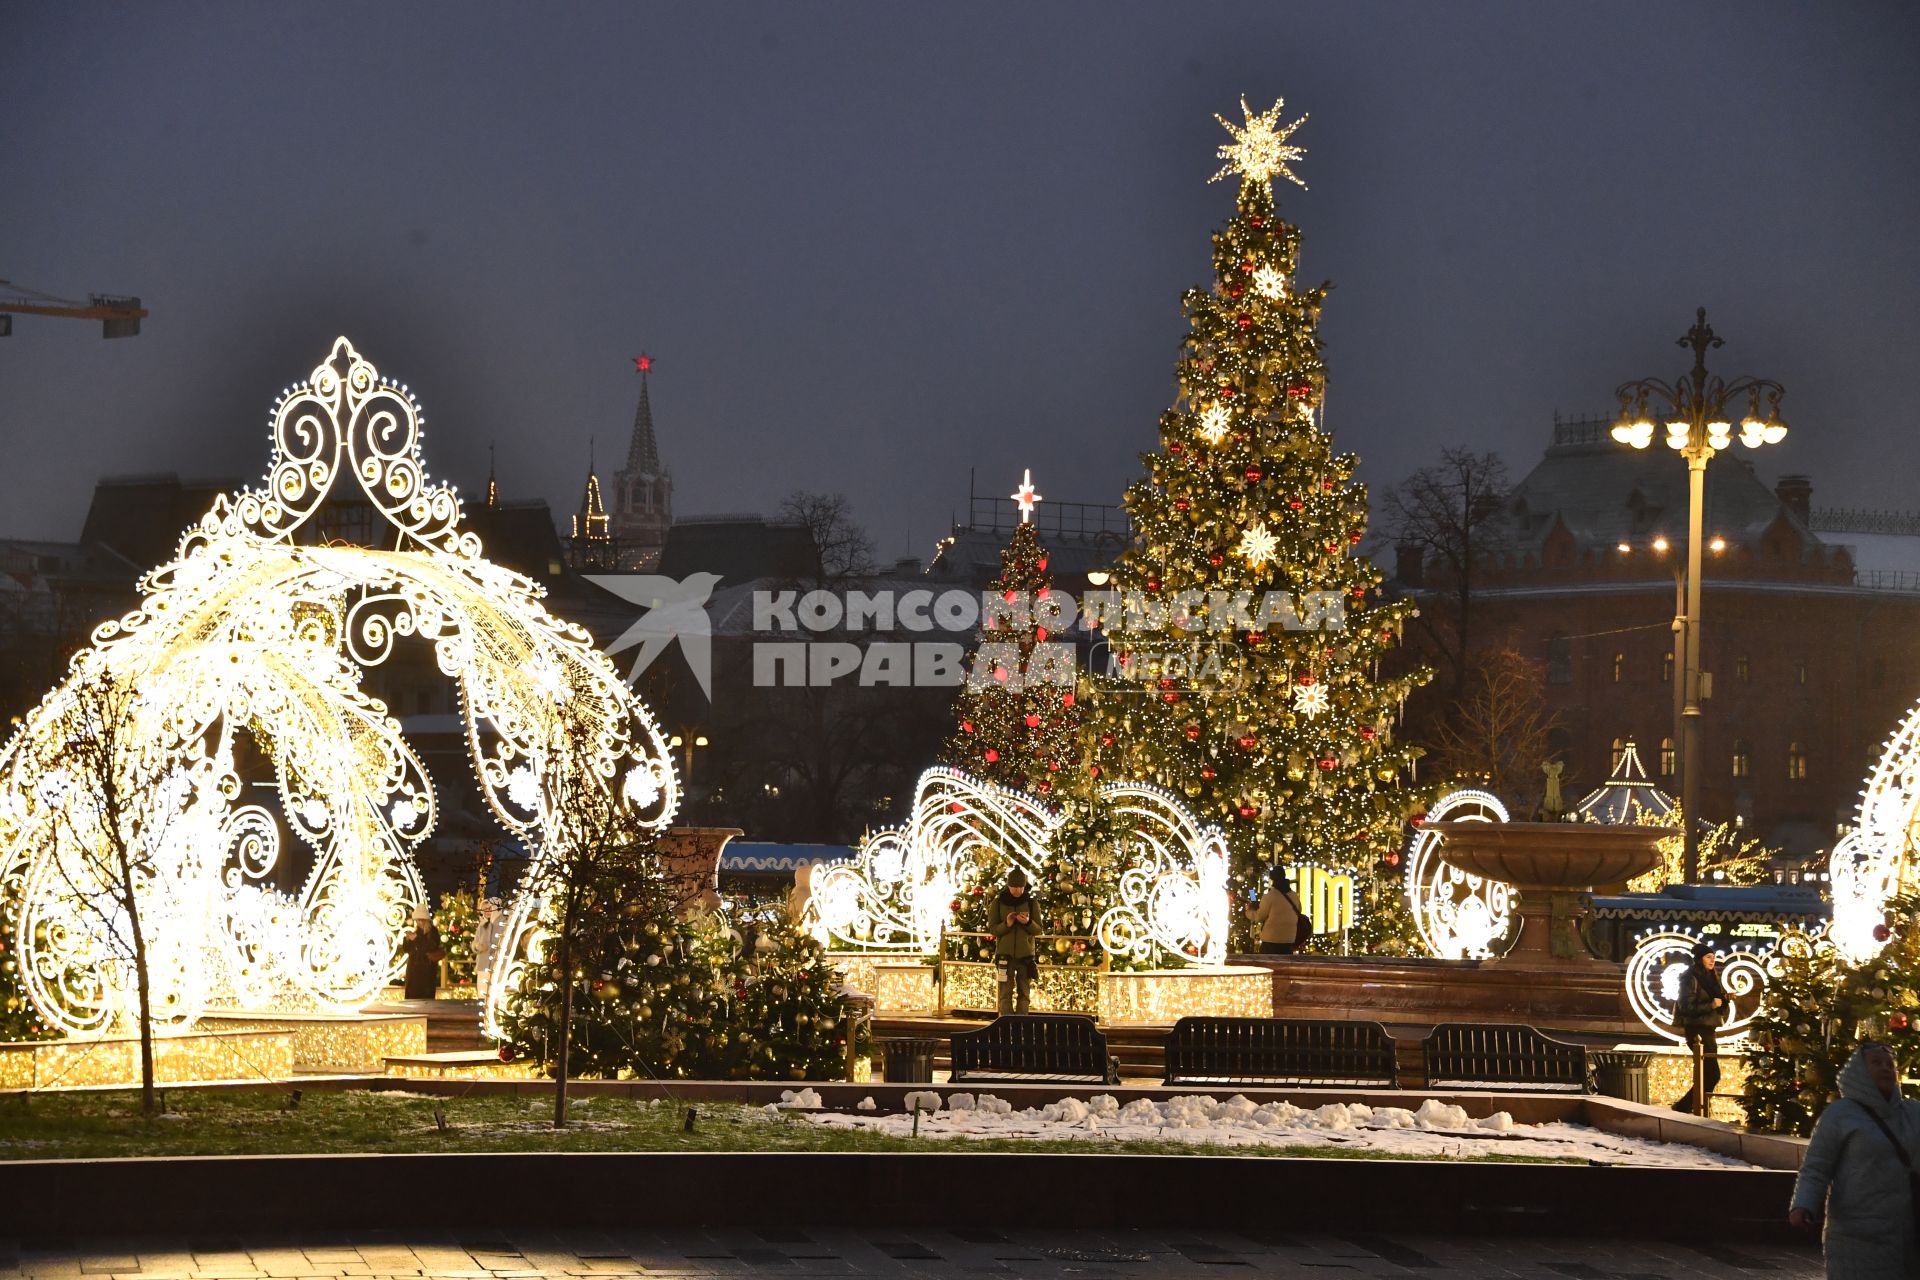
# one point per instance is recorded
(1854, 1175)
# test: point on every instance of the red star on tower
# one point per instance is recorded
(642, 362)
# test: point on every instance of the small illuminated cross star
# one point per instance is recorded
(1258, 544)
(1213, 422)
(1024, 496)
(642, 362)
(1259, 149)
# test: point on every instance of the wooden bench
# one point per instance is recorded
(1483, 1055)
(1034, 1048)
(1299, 1051)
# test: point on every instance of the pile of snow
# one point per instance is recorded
(798, 1098)
(1435, 1128)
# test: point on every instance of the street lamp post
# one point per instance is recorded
(1695, 409)
(688, 743)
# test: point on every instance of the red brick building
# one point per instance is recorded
(1811, 639)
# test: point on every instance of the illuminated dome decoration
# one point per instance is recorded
(1459, 916)
(243, 665)
(897, 894)
(1627, 796)
(1877, 859)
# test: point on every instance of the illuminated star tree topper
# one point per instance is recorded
(1259, 148)
(1024, 496)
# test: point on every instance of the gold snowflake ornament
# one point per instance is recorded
(1214, 420)
(1311, 699)
(1257, 544)
(1270, 282)
(1259, 149)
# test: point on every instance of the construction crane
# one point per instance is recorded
(118, 317)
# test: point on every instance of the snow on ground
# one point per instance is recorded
(1436, 1129)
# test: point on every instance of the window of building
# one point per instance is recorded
(1619, 749)
(1742, 668)
(1669, 757)
(1666, 667)
(1742, 759)
(1797, 761)
(1619, 667)
(1559, 659)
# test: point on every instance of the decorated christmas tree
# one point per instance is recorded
(456, 920)
(18, 1018)
(1816, 1010)
(1246, 672)
(790, 1013)
(1018, 715)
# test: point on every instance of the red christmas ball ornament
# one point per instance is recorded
(1881, 933)
(1246, 266)
(1333, 548)
(1174, 447)
(1418, 819)
(1300, 390)
(1001, 674)
(1255, 220)
(1040, 634)
(1106, 739)
(1216, 560)
(1094, 770)
(506, 1051)
(1043, 593)
(1306, 682)
(966, 726)
(1166, 682)
(1327, 485)
(1898, 1021)
(1328, 762)
(1066, 699)
(1207, 772)
(1153, 584)
(1249, 742)
(1043, 786)
(1169, 698)
(1181, 504)
(1193, 733)
(1243, 320)
(1248, 811)
(1366, 731)
(1295, 504)
(1393, 858)
(1011, 596)
(1359, 593)
(1041, 565)
(1354, 537)
(1033, 721)
(1053, 766)
(1235, 292)
(992, 756)
(1253, 475)
(1256, 637)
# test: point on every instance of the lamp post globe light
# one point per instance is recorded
(1697, 411)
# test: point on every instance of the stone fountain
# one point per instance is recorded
(1555, 867)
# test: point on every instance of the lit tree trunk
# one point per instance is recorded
(148, 1104)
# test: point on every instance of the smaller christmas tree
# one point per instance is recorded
(19, 1020)
(456, 920)
(1019, 715)
(1816, 1010)
(790, 1015)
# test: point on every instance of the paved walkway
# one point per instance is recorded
(791, 1253)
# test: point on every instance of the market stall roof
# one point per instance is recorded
(746, 856)
(1627, 796)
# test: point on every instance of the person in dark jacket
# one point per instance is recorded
(1010, 921)
(423, 950)
(1700, 1011)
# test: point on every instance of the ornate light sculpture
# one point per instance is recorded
(1661, 957)
(1459, 916)
(251, 644)
(1877, 859)
(896, 895)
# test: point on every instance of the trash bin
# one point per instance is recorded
(908, 1061)
(1621, 1073)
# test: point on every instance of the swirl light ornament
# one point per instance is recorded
(896, 894)
(247, 656)
(1661, 957)
(1880, 857)
(1459, 916)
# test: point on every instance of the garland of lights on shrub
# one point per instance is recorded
(1876, 860)
(897, 894)
(246, 658)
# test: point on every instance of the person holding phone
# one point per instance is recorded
(1010, 922)
(1278, 914)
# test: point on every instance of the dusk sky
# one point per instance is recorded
(875, 245)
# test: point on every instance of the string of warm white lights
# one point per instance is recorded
(1878, 858)
(249, 647)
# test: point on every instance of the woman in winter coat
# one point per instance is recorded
(1278, 915)
(423, 950)
(1854, 1172)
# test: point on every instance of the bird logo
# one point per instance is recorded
(676, 609)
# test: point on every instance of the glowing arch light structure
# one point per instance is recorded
(1459, 916)
(1877, 859)
(897, 893)
(246, 657)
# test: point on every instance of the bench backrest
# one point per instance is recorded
(1280, 1050)
(1042, 1044)
(1510, 1054)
